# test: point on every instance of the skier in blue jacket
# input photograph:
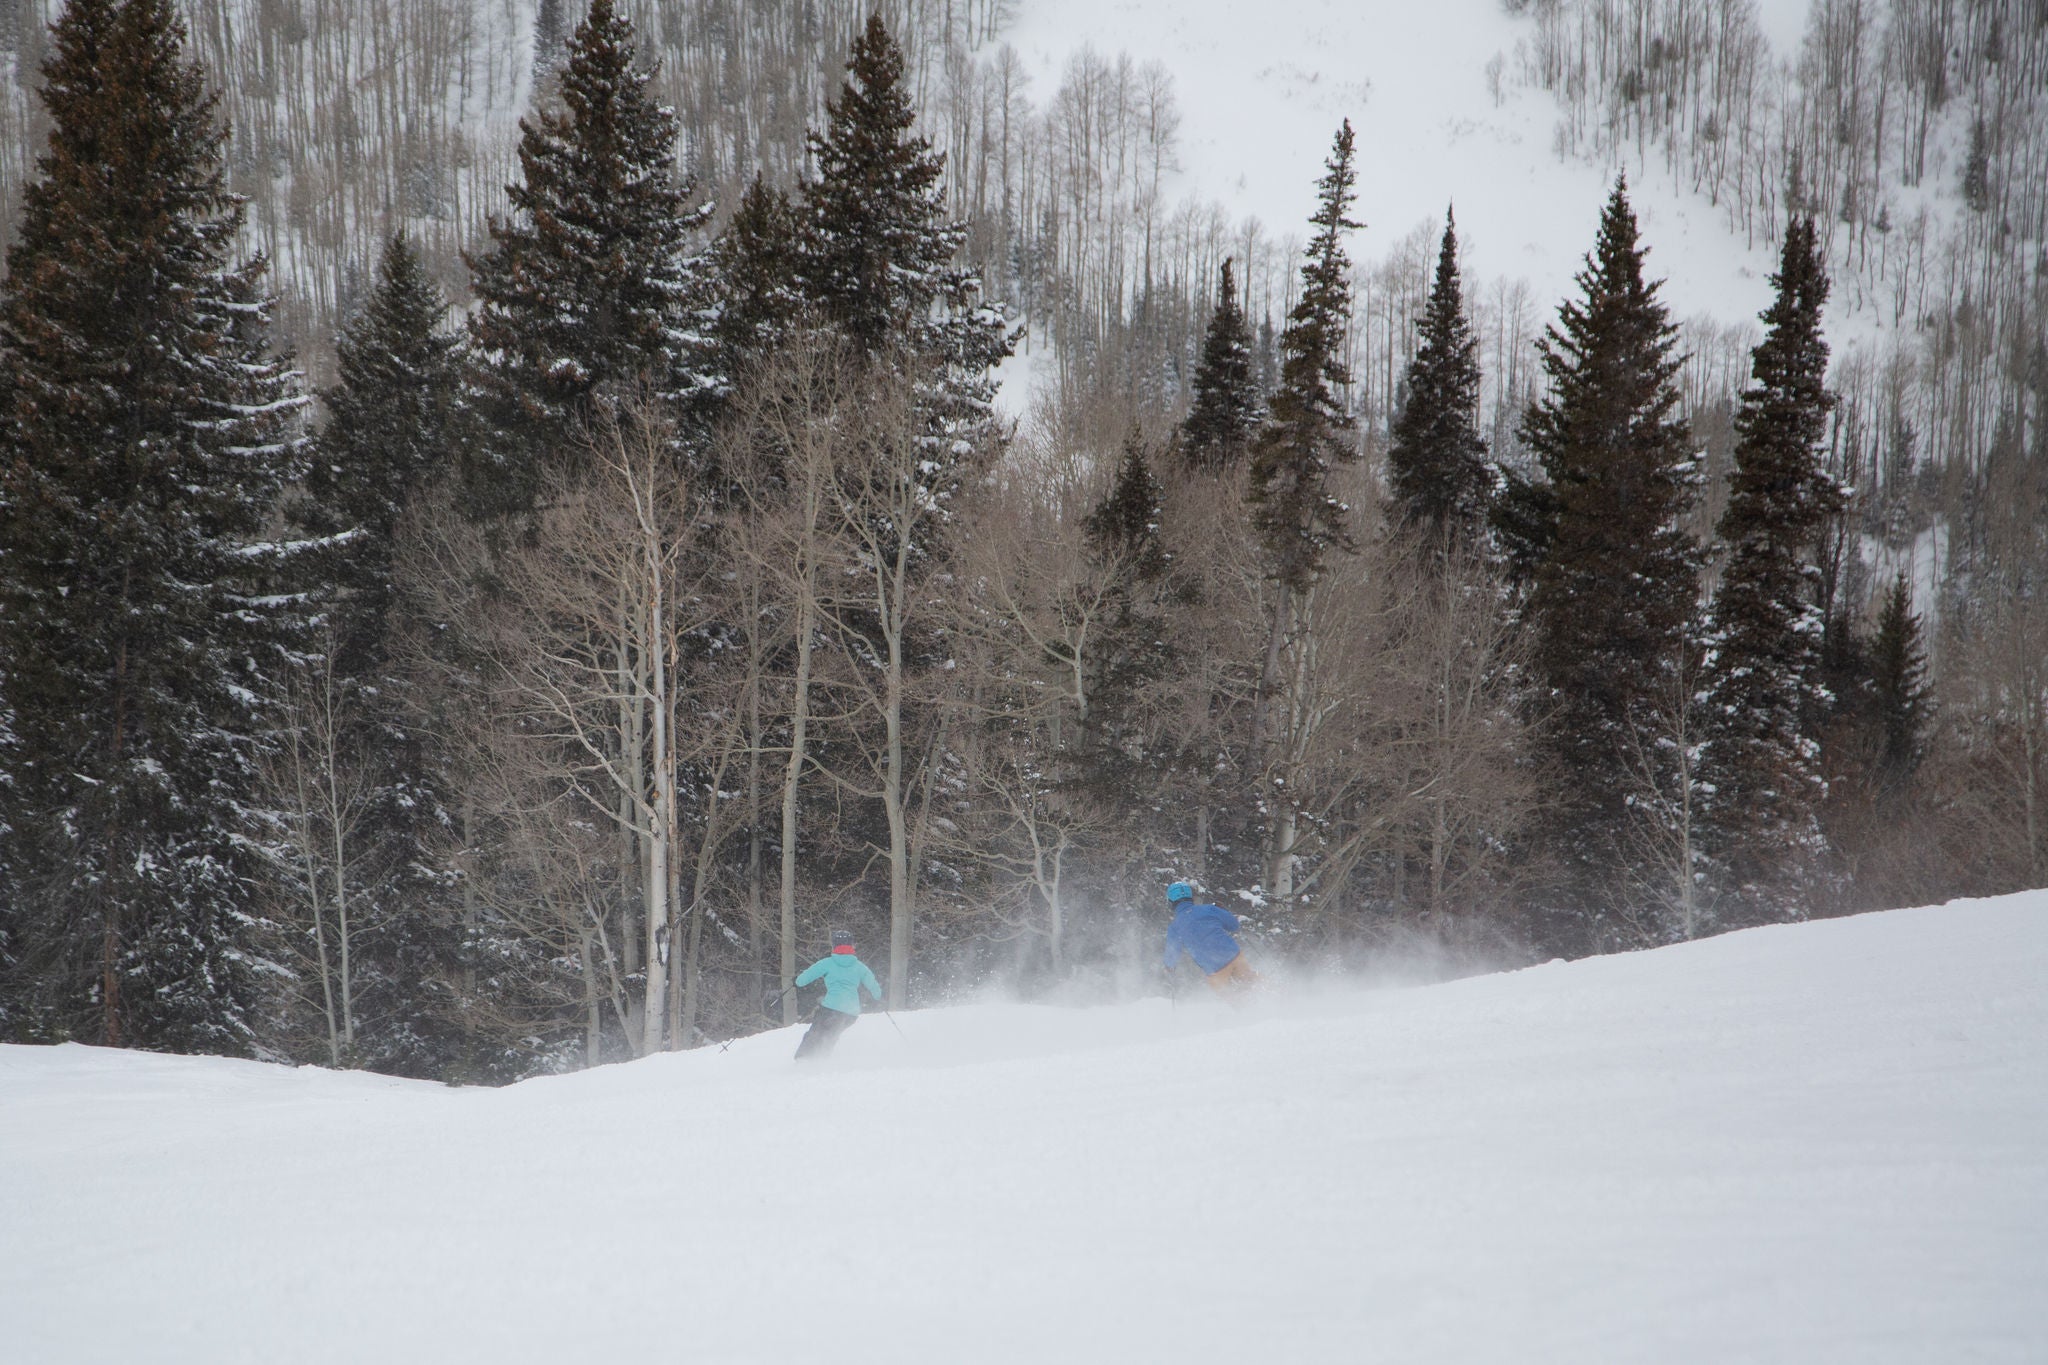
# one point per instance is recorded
(845, 977)
(1207, 934)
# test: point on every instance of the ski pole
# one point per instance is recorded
(894, 1025)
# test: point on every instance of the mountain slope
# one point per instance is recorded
(1439, 118)
(1824, 1141)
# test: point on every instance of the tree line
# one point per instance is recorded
(595, 652)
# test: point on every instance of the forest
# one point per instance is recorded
(507, 539)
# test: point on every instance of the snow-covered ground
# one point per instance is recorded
(1817, 1143)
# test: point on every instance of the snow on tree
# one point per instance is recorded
(1762, 670)
(148, 436)
(1616, 573)
(753, 266)
(1437, 459)
(875, 250)
(389, 428)
(589, 282)
(875, 257)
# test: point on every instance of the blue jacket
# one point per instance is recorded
(1206, 933)
(844, 976)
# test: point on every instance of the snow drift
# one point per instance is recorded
(1818, 1142)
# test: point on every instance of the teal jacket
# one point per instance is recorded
(844, 976)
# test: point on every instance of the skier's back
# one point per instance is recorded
(1208, 935)
(845, 977)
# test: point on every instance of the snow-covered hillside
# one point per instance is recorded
(1429, 89)
(1823, 1142)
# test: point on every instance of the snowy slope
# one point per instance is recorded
(1262, 89)
(1824, 1142)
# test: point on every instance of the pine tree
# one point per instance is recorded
(753, 264)
(1125, 525)
(1438, 460)
(1613, 594)
(1900, 694)
(1977, 168)
(1763, 664)
(1126, 537)
(589, 283)
(1296, 516)
(1226, 410)
(875, 250)
(1309, 429)
(389, 429)
(146, 440)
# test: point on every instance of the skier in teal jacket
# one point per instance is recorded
(845, 977)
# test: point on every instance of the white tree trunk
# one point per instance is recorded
(792, 777)
(663, 823)
(895, 607)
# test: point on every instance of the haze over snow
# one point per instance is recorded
(1817, 1142)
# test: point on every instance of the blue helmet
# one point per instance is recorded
(1178, 892)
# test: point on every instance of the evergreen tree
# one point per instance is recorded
(1125, 525)
(1613, 593)
(146, 439)
(1226, 410)
(1296, 516)
(1763, 661)
(589, 283)
(390, 432)
(1977, 168)
(389, 429)
(1126, 538)
(1523, 517)
(1900, 693)
(875, 251)
(1438, 460)
(753, 264)
(1309, 428)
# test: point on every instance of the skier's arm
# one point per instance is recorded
(872, 986)
(1171, 958)
(812, 972)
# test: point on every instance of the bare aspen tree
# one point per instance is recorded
(789, 426)
(320, 801)
(601, 577)
(540, 878)
(1029, 629)
(1208, 698)
(886, 508)
(1992, 769)
(1664, 807)
(1455, 786)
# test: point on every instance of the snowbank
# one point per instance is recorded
(1817, 1142)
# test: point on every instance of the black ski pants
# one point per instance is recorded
(826, 1026)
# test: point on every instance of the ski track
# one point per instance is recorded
(1821, 1142)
